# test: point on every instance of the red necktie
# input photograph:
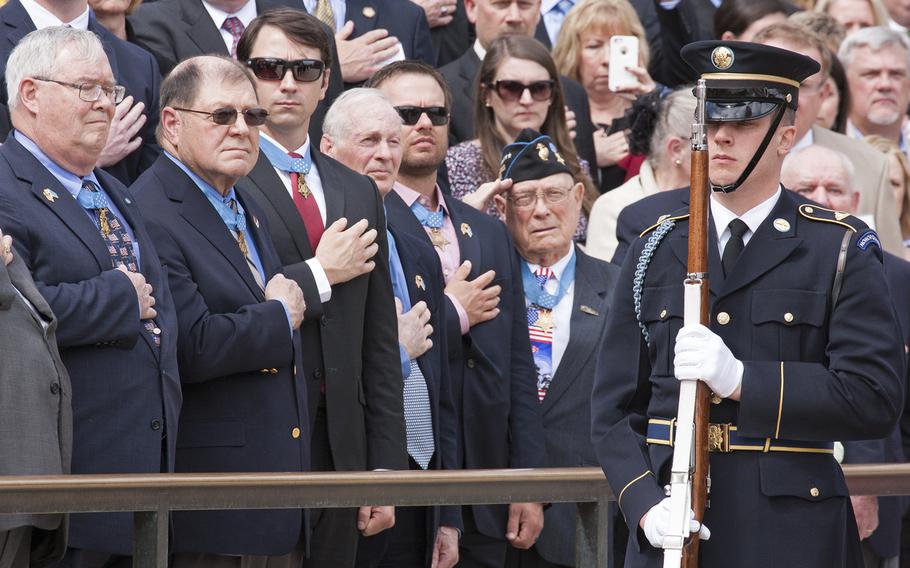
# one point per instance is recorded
(307, 207)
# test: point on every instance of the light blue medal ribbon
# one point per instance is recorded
(282, 161)
(537, 294)
(427, 218)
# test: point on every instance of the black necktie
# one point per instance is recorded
(735, 245)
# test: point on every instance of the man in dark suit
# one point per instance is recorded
(87, 247)
(36, 415)
(420, 534)
(174, 30)
(491, 20)
(328, 226)
(567, 294)
(131, 146)
(372, 33)
(244, 406)
(449, 27)
(491, 367)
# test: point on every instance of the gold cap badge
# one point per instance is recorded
(722, 57)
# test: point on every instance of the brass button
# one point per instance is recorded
(723, 318)
(788, 317)
(264, 371)
(810, 210)
(814, 492)
(716, 399)
(663, 313)
(273, 371)
(295, 433)
(295, 370)
(470, 363)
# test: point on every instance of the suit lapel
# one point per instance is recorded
(202, 30)
(200, 214)
(767, 248)
(357, 12)
(591, 293)
(332, 187)
(470, 64)
(97, 29)
(271, 186)
(17, 21)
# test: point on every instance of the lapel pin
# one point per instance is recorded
(466, 230)
(50, 195)
(369, 12)
(418, 281)
(256, 221)
(840, 215)
(127, 200)
(589, 310)
(782, 225)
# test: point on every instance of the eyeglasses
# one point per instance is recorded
(228, 116)
(551, 196)
(511, 91)
(273, 69)
(91, 92)
(411, 114)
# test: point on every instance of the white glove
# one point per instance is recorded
(657, 521)
(702, 354)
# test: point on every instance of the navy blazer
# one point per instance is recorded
(133, 67)
(494, 384)
(401, 18)
(243, 408)
(461, 74)
(126, 393)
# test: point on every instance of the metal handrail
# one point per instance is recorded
(152, 496)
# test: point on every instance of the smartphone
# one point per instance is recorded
(623, 54)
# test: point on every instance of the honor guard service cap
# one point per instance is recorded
(746, 81)
(532, 156)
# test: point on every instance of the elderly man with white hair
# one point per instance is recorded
(877, 61)
(826, 177)
(363, 131)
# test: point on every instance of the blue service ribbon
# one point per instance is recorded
(427, 218)
(535, 291)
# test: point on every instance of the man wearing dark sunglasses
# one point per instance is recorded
(328, 226)
(492, 19)
(238, 314)
(491, 367)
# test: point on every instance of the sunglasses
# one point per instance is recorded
(511, 91)
(411, 114)
(228, 116)
(272, 69)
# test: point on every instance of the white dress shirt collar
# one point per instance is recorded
(753, 218)
(479, 50)
(43, 18)
(246, 15)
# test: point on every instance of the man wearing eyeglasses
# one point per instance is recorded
(567, 295)
(492, 372)
(244, 403)
(328, 226)
(92, 259)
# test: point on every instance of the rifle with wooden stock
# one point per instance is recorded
(689, 480)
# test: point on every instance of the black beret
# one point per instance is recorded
(532, 156)
(747, 80)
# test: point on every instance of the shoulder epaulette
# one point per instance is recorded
(661, 219)
(816, 213)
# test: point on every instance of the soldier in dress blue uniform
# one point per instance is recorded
(803, 346)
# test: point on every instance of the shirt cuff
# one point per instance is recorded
(405, 362)
(322, 281)
(287, 314)
(462, 314)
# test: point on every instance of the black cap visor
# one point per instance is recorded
(738, 111)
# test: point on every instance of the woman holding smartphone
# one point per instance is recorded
(517, 88)
(583, 53)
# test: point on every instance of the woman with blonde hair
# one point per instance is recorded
(517, 87)
(899, 173)
(582, 52)
(855, 14)
(661, 130)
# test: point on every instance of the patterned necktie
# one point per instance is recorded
(325, 13)
(734, 246)
(418, 418)
(235, 27)
(540, 330)
(307, 207)
(238, 229)
(116, 237)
